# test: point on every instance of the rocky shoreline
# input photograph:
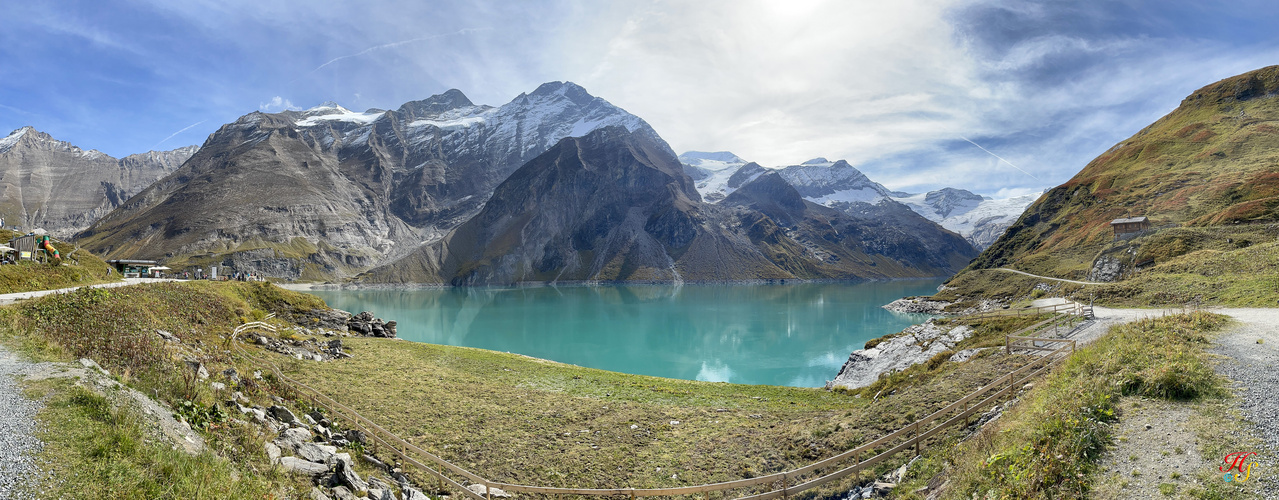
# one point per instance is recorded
(923, 305)
(914, 345)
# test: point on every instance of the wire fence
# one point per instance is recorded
(913, 437)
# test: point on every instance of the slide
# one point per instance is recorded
(47, 244)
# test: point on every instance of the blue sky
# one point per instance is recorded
(898, 89)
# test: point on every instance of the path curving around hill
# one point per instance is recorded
(1063, 280)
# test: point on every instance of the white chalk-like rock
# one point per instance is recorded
(915, 345)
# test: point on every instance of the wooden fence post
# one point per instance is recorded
(916, 434)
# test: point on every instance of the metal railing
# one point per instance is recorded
(781, 484)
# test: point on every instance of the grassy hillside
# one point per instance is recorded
(1050, 444)
(94, 449)
(506, 416)
(78, 267)
(1213, 161)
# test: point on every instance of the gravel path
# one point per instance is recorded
(1254, 368)
(1063, 280)
(18, 443)
(9, 298)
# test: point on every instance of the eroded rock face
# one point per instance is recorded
(329, 192)
(61, 188)
(914, 345)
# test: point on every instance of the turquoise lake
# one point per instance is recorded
(795, 335)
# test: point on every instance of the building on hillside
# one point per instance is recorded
(130, 268)
(1129, 227)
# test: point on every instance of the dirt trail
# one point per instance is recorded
(9, 298)
(1157, 444)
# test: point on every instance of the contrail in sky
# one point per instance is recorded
(1001, 159)
(176, 133)
(393, 45)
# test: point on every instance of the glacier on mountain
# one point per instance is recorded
(980, 220)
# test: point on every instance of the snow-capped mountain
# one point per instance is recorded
(825, 182)
(360, 188)
(979, 219)
(818, 180)
(57, 186)
(710, 172)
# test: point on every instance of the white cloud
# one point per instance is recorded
(277, 103)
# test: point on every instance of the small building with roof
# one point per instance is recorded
(132, 268)
(1129, 227)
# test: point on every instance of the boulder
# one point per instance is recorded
(302, 467)
(356, 436)
(231, 376)
(90, 364)
(342, 493)
(167, 336)
(380, 494)
(317, 453)
(317, 494)
(347, 476)
(272, 451)
(200, 372)
(291, 438)
(282, 414)
(411, 494)
(365, 324)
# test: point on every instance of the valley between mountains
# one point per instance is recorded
(559, 186)
(443, 190)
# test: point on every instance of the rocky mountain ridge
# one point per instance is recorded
(978, 219)
(57, 186)
(328, 192)
(616, 205)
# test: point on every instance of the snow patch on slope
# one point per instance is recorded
(7, 143)
(334, 113)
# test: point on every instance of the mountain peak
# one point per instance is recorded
(817, 161)
(7, 142)
(435, 105)
(570, 90)
(1253, 84)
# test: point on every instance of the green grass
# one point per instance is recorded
(1048, 446)
(517, 419)
(98, 451)
(504, 416)
(1244, 277)
(94, 450)
(1193, 266)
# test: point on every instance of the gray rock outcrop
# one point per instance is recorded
(1106, 269)
(914, 345)
(365, 324)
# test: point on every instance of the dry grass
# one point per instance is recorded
(517, 419)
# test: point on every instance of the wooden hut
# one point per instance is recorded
(1129, 227)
